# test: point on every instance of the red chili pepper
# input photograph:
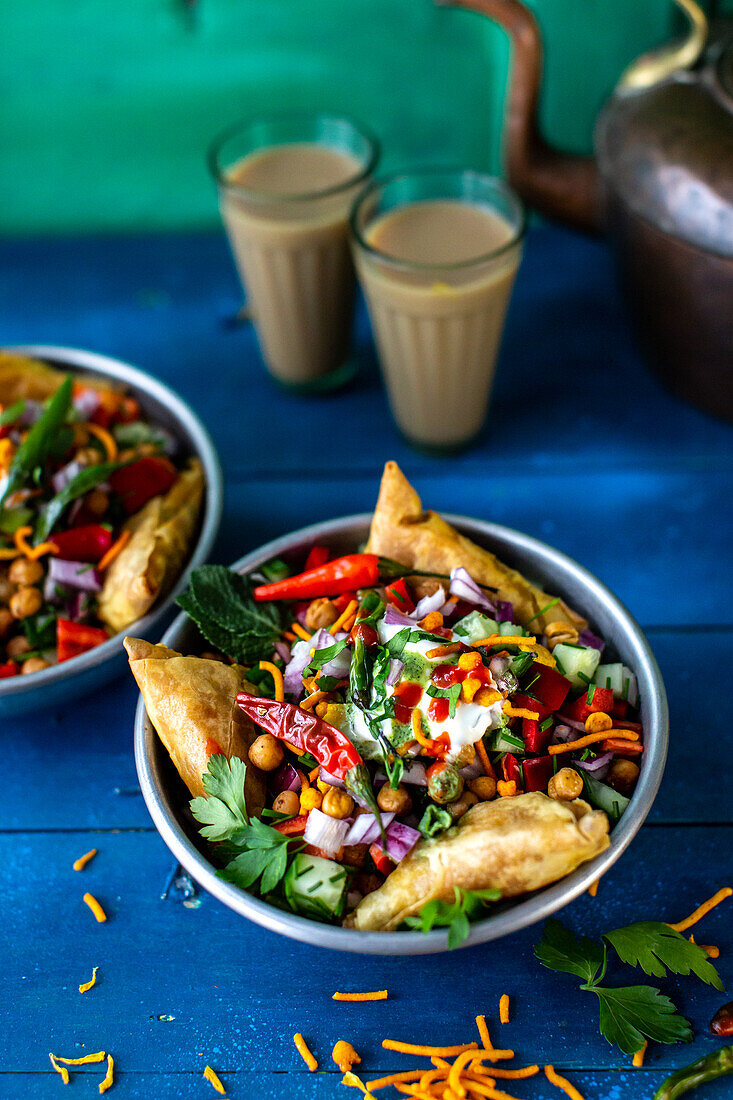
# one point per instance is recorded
(342, 602)
(331, 748)
(75, 638)
(139, 482)
(399, 596)
(318, 555)
(381, 861)
(8, 669)
(88, 543)
(339, 575)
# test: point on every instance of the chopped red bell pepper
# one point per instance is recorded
(621, 747)
(139, 482)
(75, 638)
(620, 708)
(342, 602)
(318, 555)
(550, 687)
(601, 699)
(381, 861)
(527, 702)
(88, 543)
(621, 724)
(535, 739)
(294, 826)
(537, 772)
(8, 669)
(510, 767)
(399, 596)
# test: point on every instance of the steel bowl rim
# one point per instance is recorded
(203, 448)
(522, 913)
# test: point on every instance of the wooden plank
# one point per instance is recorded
(571, 394)
(107, 121)
(608, 1085)
(237, 993)
(83, 773)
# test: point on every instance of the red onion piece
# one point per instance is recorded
(414, 774)
(598, 767)
(428, 604)
(588, 638)
(498, 666)
(395, 671)
(574, 725)
(87, 402)
(401, 839)
(393, 617)
(283, 651)
(74, 574)
(332, 779)
(472, 771)
(504, 611)
(285, 778)
(365, 829)
(324, 832)
(65, 475)
(464, 587)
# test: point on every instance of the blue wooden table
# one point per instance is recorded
(583, 449)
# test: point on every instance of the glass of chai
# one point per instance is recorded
(436, 253)
(286, 185)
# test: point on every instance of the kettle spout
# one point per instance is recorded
(562, 186)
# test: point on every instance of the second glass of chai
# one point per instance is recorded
(286, 185)
(436, 253)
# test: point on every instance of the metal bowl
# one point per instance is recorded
(167, 799)
(71, 679)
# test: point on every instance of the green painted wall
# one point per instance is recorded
(107, 106)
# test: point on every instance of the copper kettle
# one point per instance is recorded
(661, 184)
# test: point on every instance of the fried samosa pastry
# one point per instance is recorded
(23, 378)
(192, 704)
(423, 541)
(511, 844)
(161, 533)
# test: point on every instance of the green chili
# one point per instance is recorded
(700, 1072)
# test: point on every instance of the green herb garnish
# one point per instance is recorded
(434, 821)
(455, 915)
(539, 614)
(221, 604)
(79, 486)
(41, 441)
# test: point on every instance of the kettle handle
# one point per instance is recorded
(655, 66)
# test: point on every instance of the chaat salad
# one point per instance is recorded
(89, 492)
(410, 746)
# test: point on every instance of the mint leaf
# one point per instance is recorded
(631, 1014)
(559, 949)
(322, 656)
(224, 811)
(221, 604)
(40, 441)
(396, 644)
(659, 949)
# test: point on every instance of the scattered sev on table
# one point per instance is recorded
(304, 1052)
(95, 907)
(504, 1008)
(213, 1080)
(80, 863)
(59, 1064)
(92, 981)
(702, 910)
(638, 1059)
(377, 995)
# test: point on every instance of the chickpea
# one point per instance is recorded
(310, 799)
(88, 456)
(35, 664)
(622, 775)
(354, 855)
(266, 753)
(97, 502)
(129, 454)
(462, 805)
(337, 803)
(287, 802)
(6, 587)
(25, 602)
(396, 802)
(321, 613)
(6, 621)
(483, 786)
(566, 784)
(17, 646)
(24, 572)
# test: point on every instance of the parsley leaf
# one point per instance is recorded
(224, 811)
(559, 949)
(221, 604)
(631, 1014)
(265, 857)
(455, 915)
(659, 949)
(40, 441)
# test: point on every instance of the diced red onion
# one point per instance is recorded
(365, 829)
(283, 651)
(414, 773)
(598, 767)
(87, 402)
(80, 605)
(300, 658)
(324, 832)
(504, 611)
(395, 671)
(401, 839)
(74, 574)
(464, 587)
(472, 771)
(498, 666)
(300, 611)
(574, 725)
(65, 475)
(563, 733)
(285, 778)
(332, 779)
(393, 617)
(588, 638)
(427, 604)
